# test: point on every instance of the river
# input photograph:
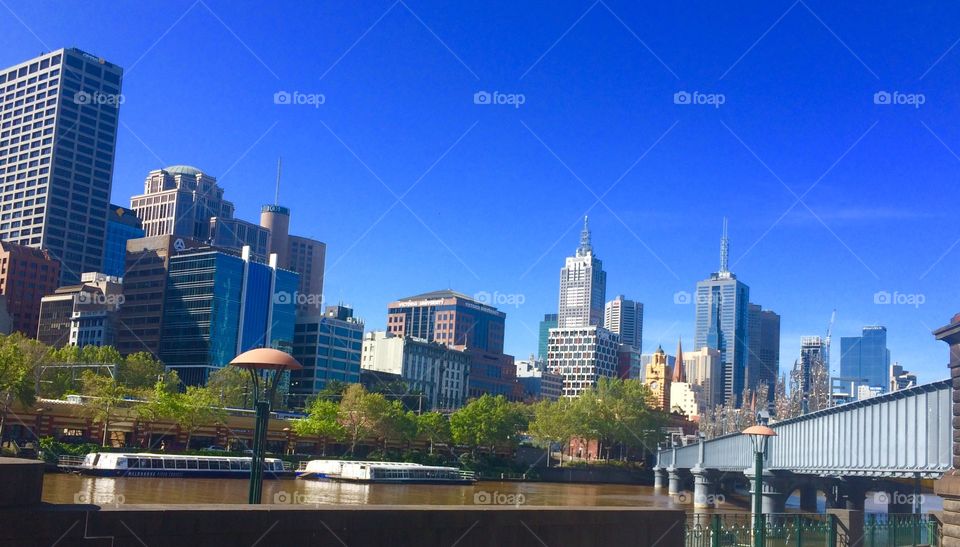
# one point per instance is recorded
(70, 488)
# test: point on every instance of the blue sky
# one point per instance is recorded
(831, 197)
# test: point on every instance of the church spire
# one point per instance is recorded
(585, 246)
(679, 375)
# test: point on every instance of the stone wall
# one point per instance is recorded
(948, 487)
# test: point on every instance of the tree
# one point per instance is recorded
(160, 405)
(333, 390)
(393, 421)
(359, 413)
(486, 421)
(104, 395)
(16, 377)
(433, 427)
(552, 424)
(194, 408)
(322, 421)
(141, 371)
(232, 387)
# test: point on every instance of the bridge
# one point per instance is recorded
(878, 444)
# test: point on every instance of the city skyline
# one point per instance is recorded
(863, 253)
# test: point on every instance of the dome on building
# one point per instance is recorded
(182, 170)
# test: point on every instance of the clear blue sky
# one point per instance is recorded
(492, 195)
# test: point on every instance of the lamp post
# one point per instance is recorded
(265, 366)
(760, 436)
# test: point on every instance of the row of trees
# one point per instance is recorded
(618, 413)
(485, 422)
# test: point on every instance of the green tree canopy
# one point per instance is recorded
(486, 422)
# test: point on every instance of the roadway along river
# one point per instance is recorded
(70, 488)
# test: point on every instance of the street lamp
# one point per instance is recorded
(760, 437)
(266, 365)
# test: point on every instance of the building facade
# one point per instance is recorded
(140, 324)
(448, 318)
(122, 226)
(656, 377)
(537, 383)
(439, 373)
(582, 356)
(179, 201)
(82, 315)
(27, 275)
(233, 233)
(583, 287)
(329, 347)
(548, 322)
(722, 322)
(763, 361)
(866, 357)
(814, 352)
(57, 144)
(307, 257)
(218, 305)
(625, 318)
(704, 368)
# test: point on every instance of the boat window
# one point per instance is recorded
(234, 464)
(203, 464)
(156, 463)
(245, 465)
(181, 464)
(214, 464)
(133, 463)
(169, 464)
(191, 464)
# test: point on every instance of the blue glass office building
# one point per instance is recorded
(329, 347)
(219, 305)
(866, 358)
(122, 224)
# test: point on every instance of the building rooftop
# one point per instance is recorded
(446, 293)
(183, 170)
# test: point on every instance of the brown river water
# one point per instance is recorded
(71, 488)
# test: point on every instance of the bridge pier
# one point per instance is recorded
(659, 478)
(854, 491)
(773, 498)
(808, 498)
(674, 481)
(704, 488)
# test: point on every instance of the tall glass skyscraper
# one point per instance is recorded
(722, 317)
(57, 142)
(866, 358)
(219, 305)
(549, 322)
(583, 287)
(122, 225)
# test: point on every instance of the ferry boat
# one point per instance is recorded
(133, 464)
(383, 472)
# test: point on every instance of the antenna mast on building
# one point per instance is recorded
(724, 249)
(276, 195)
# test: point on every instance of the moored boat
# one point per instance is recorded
(383, 472)
(132, 464)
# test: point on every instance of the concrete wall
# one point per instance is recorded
(395, 526)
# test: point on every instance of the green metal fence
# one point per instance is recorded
(809, 529)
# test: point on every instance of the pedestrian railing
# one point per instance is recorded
(810, 529)
(894, 530)
(69, 462)
(779, 530)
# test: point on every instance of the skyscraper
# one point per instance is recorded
(763, 363)
(180, 201)
(625, 317)
(329, 348)
(122, 226)
(814, 351)
(722, 319)
(549, 322)
(57, 144)
(26, 276)
(583, 286)
(450, 318)
(866, 357)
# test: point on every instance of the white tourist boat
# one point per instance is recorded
(383, 472)
(133, 464)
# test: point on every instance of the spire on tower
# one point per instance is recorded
(724, 249)
(679, 375)
(276, 195)
(585, 246)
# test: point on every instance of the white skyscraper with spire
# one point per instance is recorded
(722, 317)
(583, 286)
